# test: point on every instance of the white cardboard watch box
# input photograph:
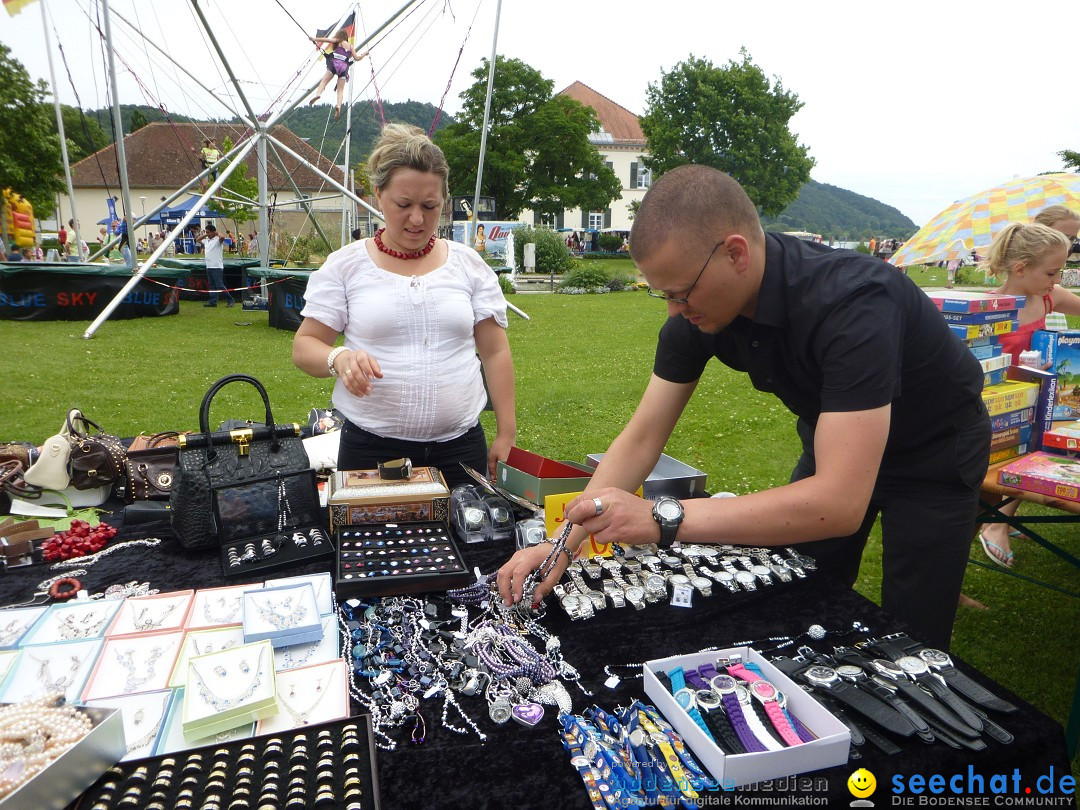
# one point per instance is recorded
(828, 750)
(149, 659)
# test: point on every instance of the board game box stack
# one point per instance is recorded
(979, 319)
(1044, 473)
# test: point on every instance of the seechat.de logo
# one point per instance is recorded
(862, 785)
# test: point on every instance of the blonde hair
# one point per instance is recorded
(1055, 213)
(1021, 243)
(403, 146)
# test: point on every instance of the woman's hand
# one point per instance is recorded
(511, 577)
(500, 449)
(357, 369)
(621, 517)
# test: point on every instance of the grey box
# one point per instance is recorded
(60, 783)
(669, 477)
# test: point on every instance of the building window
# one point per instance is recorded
(547, 221)
(644, 177)
(596, 220)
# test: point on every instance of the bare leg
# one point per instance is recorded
(998, 535)
(322, 86)
(340, 95)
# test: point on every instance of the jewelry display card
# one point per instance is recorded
(7, 661)
(285, 615)
(309, 695)
(229, 688)
(216, 607)
(330, 765)
(316, 652)
(203, 642)
(322, 583)
(131, 664)
(388, 559)
(144, 718)
(44, 668)
(142, 614)
(172, 737)
(830, 748)
(16, 622)
(72, 621)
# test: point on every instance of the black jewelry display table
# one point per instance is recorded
(519, 767)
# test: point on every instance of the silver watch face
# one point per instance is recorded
(761, 571)
(887, 668)
(744, 577)
(634, 593)
(725, 576)
(935, 657)
(821, 676)
(849, 671)
(669, 509)
(793, 564)
(781, 572)
(912, 665)
(650, 559)
(707, 699)
(671, 561)
(572, 601)
(701, 583)
(679, 579)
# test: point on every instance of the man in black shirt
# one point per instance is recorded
(887, 399)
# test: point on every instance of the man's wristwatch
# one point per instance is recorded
(943, 665)
(668, 512)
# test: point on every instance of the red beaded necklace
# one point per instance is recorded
(398, 254)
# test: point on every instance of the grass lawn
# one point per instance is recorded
(582, 363)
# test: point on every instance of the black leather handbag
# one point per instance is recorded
(210, 462)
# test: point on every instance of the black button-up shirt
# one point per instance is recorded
(836, 330)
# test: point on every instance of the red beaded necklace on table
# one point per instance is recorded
(398, 254)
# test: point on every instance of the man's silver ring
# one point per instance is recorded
(599, 506)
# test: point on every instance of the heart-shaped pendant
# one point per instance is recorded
(528, 714)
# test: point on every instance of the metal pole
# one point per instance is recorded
(264, 214)
(487, 116)
(63, 140)
(224, 61)
(348, 138)
(157, 254)
(118, 126)
(300, 197)
(325, 176)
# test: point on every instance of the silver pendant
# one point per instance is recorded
(500, 711)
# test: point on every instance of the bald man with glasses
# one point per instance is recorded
(888, 404)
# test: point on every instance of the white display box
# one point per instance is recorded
(43, 668)
(285, 615)
(216, 607)
(204, 642)
(131, 664)
(229, 688)
(144, 717)
(309, 695)
(145, 614)
(76, 620)
(61, 782)
(322, 583)
(7, 661)
(828, 750)
(172, 737)
(16, 622)
(316, 652)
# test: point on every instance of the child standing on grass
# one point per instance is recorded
(1030, 258)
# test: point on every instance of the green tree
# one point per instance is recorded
(29, 146)
(84, 134)
(237, 186)
(538, 151)
(138, 121)
(732, 118)
(1071, 158)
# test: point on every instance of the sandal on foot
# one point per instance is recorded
(996, 553)
(1018, 533)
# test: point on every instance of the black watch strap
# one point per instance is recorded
(949, 698)
(935, 709)
(950, 737)
(974, 691)
(861, 733)
(870, 707)
(722, 730)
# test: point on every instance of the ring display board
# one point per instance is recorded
(286, 294)
(63, 291)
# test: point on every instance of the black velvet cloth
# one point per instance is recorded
(518, 767)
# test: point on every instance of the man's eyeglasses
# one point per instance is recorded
(685, 299)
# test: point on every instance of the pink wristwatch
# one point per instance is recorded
(769, 697)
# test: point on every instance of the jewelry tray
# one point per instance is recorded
(261, 771)
(249, 521)
(376, 559)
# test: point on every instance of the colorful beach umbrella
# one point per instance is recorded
(971, 223)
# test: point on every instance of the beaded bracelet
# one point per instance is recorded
(64, 588)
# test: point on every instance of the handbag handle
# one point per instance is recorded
(75, 415)
(204, 410)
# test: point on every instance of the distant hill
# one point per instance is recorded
(840, 214)
(316, 124)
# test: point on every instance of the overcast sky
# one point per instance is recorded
(916, 104)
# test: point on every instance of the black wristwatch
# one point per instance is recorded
(668, 512)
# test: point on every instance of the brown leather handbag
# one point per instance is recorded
(96, 460)
(150, 467)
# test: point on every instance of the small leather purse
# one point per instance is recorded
(96, 460)
(150, 467)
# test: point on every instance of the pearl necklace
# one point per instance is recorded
(32, 735)
(398, 254)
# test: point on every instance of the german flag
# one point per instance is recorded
(349, 24)
(13, 7)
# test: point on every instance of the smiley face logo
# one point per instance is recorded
(862, 783)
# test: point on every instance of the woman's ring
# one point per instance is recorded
(348, 371)
(599, 506)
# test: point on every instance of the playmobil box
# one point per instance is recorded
(1061, 354)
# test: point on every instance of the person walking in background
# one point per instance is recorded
(424, 321)
(873, 246)
(1030, 259)
(62, 238)
(215, 264)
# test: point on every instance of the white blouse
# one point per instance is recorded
(419, 329)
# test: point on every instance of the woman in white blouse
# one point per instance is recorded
(415, 312)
